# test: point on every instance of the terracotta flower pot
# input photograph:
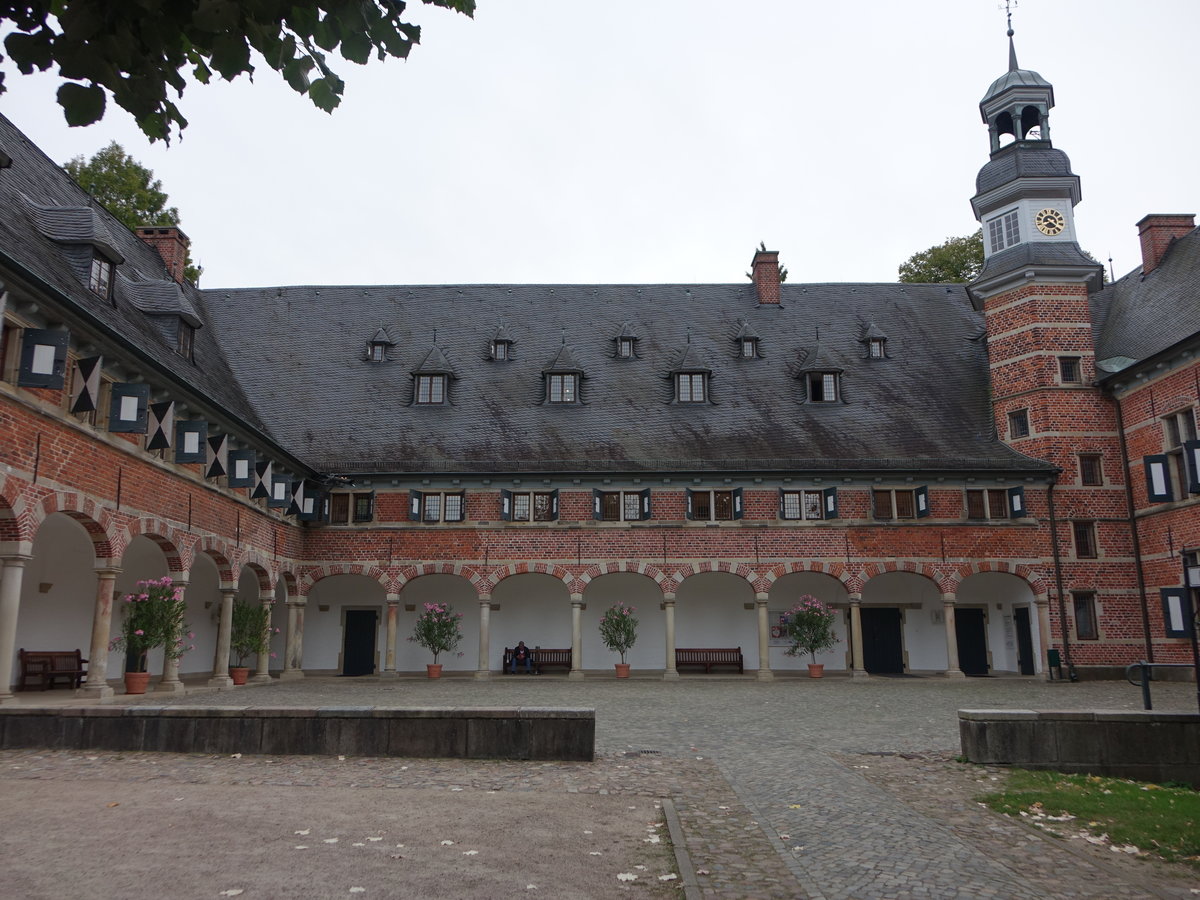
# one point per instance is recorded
(816, 670)
(136, 682)
(239, 674)
(433, 670)
(622, 670)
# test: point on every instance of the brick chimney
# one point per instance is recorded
(171, 244)
(1158, 231)
(765, 273)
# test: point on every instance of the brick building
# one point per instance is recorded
(971, 475)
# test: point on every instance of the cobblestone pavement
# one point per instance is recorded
(799, 788)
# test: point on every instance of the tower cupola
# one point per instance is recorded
(1018, 103)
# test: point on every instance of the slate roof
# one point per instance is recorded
(1015, 76)
(1139, 316)
(142, 284)
(1036, 253)
(1022, 159)
(295, 352)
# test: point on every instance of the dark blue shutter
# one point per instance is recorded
(416, 502)
(506, 505)
(1191, 452)
(281, 492)
(262, 479)
(554, 504)
(688, 512)
(645, 495)
(597, 501)
(1158, 479)
(921, 499)
(325, 503)
(737, 503)
(85, 392)
(310, 502)
(782, 515)
(241, 468)
(1177, 612)
(217, 456)
(198, 428)
(162, 425)
(295, 507)
(1016, 503)
(127, 414)
(43, 358)
(830, 498)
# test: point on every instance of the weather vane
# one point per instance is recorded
(1009, 6)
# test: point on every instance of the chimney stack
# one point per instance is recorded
(171, 244)
(766, 275)
(1158, 231)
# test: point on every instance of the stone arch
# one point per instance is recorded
(411, 573)
(1037, 584)
(684, 572)
(218, 551)
(169, 539)
(288, 581)
(632, 567)
(310, 575)
(266, 584)
(875, 569)
(529, 568)
(10, 521)
(834, 570)
(95, 519)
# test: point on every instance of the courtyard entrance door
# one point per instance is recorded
(972, 641)
(1024, 640)
(883, 650)
(358, 646)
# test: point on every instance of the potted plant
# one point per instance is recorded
(249, 634)
(618, 630)
(437, 630)
(810, 629)
(152, 617)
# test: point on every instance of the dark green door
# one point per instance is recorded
(358, 648)
(972, 641)
(883, 650)
(1024, 640)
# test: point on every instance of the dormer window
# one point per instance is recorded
(562, 387)
(100, 277)
(378, 352)
(500, 350)
(625, 347)
(377, 347)
(875, 348)
(823, 387)
(185, 338)
(431, 390)
(691, 387)
(749, 348)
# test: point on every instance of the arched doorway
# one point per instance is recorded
(784, 593)
(534, 608)
(343, 631)
(1003, 614)
(644, 595)
(903, 625)
(717, 609)
(463, 598)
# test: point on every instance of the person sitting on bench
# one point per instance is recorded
(521, 654)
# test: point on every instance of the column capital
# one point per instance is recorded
(181, 583)
(761, 598)
(855, 599)
(228, 592)
(108, 571)
(393, 599)
(485, 598)
(576, 599)
(669, 597)
(949, 598)
(16, 559)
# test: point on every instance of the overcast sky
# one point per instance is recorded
(657, 141)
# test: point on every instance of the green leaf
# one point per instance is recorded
(30, 51)
(356, 47)
(230, 56)
(324, 94)
(82, 104)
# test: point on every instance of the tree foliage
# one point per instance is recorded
(136, 51)
(957, 259)
(129, 191)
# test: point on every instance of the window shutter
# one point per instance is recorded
(1158, 485)
(554, 504)
(43, 358)
(645, 495)
(310, 502)
(128, 413)
(217, 456)
(416, 500)
(831, 503)
(281, 493)
(462, 508)
(325, 504)
(596, 501)
(506, 505)
(921, 496)
(1177, 612)
(1191, 452)
(241, 469)
(262, 479)
(737, 503)
(688, 512)
(162, 425)
(1016, 502)
(781, 511)
(296, 505)
(190, 441)
(85, 390)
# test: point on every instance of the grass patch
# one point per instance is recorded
(1157, 819)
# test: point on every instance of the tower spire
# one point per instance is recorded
(1012, 48)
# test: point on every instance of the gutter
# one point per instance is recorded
(1139, 574)
(1058, 581)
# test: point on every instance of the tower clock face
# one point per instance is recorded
(1050, 222)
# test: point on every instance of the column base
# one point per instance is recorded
(291, 675)
(386, 675)
(575, 675)
(221, 682)
(765, 675)
(170, 687)
(260, 679)
(859, 674)
(955, 674)
(483, 675)
(8, 699)
(671, 675)
(94, 692)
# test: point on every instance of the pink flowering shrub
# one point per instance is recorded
(152, 616)
(251, 631)
(810, 627)
(437, 629)
(618, 628)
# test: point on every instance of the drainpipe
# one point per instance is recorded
(1133, 533)
(1058, 580)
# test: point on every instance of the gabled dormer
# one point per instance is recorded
(691, 377)
(501, 345)
(875, 342)
(168, 308)
(821, 375)
(90, 247)
(626, 342)
(379, 345)
(431, 379)
(747, 342)
(562, 378)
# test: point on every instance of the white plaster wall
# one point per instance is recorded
(60, 618)
(645, 596)
(279, 617)
(709, 613)
(924, 629)
(323, 629)
(463, 598)
(534, 608)
(1002, 593)
(203, 588)
(785, 592)
(142, 560)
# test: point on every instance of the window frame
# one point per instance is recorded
(1181, 450)
(500, 351)
(1067, 363)
(615, 506)
(749, 348)
(1085, 539)
(990, 498)
(510, 500)
(876, 349)
(826, 504)
(1019, 424)
(421, 503)
(691, 379)
(625, 348)
(1087, 460)
(101, 272)
(903, 504)
(185, 339)
(1004, 230)
(1085, 601)
(429, 389)
(557, 388)
(823, 383)
(715, 500)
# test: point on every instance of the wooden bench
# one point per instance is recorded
(708, 657)
(542, 659)
(48, 666)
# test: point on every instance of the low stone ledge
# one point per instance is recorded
(474, 733)
(1145, 745)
